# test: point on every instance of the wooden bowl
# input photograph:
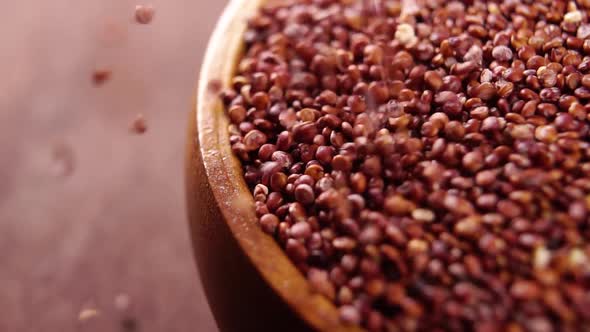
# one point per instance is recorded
(250, 283)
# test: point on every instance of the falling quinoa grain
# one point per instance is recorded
(139, 125)
(101, 76)
(144, 14)
(88, 314)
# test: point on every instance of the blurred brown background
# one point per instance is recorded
(89, 211)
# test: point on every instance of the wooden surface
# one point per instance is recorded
(117, 223)
(224, 197)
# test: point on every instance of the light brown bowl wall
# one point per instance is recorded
(250, 283)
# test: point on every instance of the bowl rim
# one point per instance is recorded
(225, 176)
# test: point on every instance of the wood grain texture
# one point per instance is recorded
(247, 276)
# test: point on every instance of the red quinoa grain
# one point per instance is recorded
(101, 76)
(144, 14)
(139, 125)
(427, 166)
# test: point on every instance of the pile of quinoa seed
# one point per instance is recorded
(427, 166)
